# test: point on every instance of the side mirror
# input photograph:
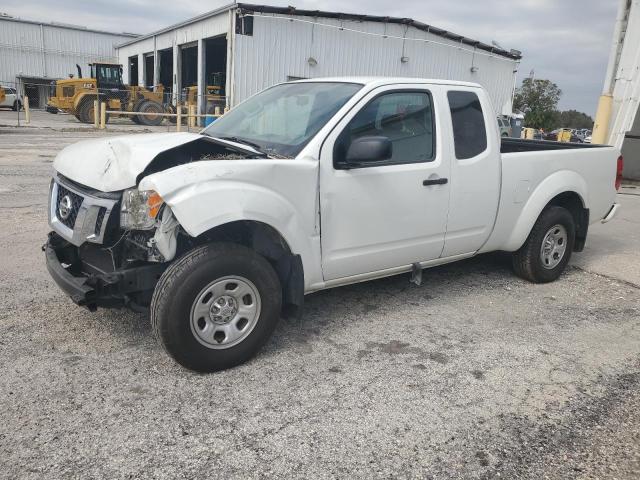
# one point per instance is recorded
(369, 149)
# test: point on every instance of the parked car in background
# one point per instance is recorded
(306, 186)
(553, 135)
(504, 126)
(585, 135)
(11, 99)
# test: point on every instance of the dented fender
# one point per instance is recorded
(281, 193)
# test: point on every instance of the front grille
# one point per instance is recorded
(76, 201)
(68, 91)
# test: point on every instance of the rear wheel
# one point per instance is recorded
(216, 306)
(545, 254)
(17, 105)
(150, 107)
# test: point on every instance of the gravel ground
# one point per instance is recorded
(474, 374)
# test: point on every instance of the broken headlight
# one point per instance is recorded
(139, 209)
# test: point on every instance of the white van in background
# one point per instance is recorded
(12, 99)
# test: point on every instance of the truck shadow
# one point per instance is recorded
(329, 310)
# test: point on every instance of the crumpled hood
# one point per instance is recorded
(114, 163)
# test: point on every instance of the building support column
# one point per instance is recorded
(176, 74)
(141, 65)
(202, 81)
(156, 65)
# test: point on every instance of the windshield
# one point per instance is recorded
(281, 120)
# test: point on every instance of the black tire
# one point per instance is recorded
(527, 261)
(147, 106)
(85, 111)
(136, 108)
(172, 109)
(17, 105)
(182, 283)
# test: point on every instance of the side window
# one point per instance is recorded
(405, 118)
(469, 132)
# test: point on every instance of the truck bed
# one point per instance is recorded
(511, 145)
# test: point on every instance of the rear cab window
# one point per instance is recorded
(467, 118)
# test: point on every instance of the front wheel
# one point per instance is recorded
(545, 254)
(216, 306)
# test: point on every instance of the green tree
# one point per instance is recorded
(574, 119)
(538, 100)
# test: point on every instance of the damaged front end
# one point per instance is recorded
(108, 249)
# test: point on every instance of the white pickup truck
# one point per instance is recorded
(306, 186)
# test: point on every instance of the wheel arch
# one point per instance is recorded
(564, 188)
(267, 241)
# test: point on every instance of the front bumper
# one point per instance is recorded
(93, 289)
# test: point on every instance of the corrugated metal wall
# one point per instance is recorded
(280, 48)
(50, 51)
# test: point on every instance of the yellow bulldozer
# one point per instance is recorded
(77, 95)
(3, 95)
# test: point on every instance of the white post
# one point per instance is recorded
(103, 115)
(156, 65)
(202, 81)
(176, 75)
(27, 110)
(141, 69)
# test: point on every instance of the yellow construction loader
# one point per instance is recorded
(214, 96)
(77, 95)
(3, 95)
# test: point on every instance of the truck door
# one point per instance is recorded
(475, 170)
(389, 214)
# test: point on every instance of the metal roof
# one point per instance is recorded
(252, 8)
(248, 8)
(65, 25)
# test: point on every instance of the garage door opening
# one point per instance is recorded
(215, 72)
(133, 70)
(166, 71)
(148, 71)
(216, 61)
(189, 66)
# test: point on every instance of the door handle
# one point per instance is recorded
(435, 181)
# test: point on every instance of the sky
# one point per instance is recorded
(565, 41)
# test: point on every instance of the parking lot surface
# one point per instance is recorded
(473, 374)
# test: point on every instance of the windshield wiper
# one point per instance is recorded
(255, 146)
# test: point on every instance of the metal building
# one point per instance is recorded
(250, 47)
(34, 53)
